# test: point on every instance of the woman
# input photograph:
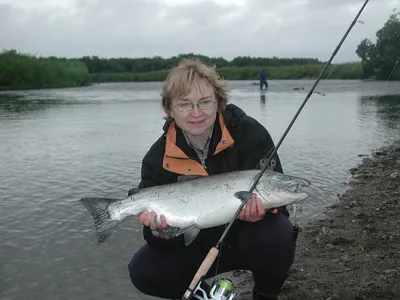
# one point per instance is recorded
(203, 135)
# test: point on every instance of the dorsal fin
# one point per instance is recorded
(132, 191)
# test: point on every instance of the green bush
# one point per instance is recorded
(22, 71)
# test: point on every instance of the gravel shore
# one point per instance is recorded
(353, 252)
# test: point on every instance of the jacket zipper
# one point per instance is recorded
(203, 162)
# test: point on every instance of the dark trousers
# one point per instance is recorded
(262, 82)
(266, 248)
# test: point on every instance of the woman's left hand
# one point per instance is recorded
(254, 210)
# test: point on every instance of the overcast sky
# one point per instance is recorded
(227, 28)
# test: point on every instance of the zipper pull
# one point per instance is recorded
(203, 162)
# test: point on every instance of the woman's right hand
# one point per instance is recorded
(149, 219)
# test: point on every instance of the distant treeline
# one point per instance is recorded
(157, 63)
(339, 71)
(23, 71)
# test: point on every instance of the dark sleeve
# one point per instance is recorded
(149, 178)
(151, 170)
(256, 147)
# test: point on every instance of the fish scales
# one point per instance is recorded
(197, 202)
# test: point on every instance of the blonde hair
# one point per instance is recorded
(185, 76)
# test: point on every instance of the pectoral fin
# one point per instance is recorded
(190, 235)
(183, 230)
(243, 195)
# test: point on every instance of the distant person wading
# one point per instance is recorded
(263, 79)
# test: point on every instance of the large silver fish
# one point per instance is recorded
(197, 202)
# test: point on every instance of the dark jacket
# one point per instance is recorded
(263, 76)
(238, 142)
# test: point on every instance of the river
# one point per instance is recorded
(59, 145)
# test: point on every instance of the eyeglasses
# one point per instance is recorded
(203, 105)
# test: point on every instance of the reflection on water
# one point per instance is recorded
(63, 144)
(262, 98)
(384, 110)
(18, 105)
(384, 104)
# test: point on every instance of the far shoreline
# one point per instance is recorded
(253, 82)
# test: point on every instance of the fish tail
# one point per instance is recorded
(103, 222)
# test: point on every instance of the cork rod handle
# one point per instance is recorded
(204, 267)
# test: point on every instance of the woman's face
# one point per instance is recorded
(187, 114)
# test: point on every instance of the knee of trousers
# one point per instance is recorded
(139, 275)
(266, 247)
(277, 256)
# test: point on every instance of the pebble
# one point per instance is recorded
(330, 246)
(345, 258)
(394, 175)
(391, 272)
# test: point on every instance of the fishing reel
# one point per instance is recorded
(220, 289)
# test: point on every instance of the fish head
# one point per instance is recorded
(276, 189)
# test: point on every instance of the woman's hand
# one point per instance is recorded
(149, 219)
(163, 230)
(254, 210)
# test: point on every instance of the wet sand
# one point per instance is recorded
(353, 252)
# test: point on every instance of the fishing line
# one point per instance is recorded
(308, 96)
(319, 93)
(213, 253)
(333, 69)
(394, 68)
(295, 206)
(390, 75)
(292, 122)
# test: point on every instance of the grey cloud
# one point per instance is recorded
(307, 28)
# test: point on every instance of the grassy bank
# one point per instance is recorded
(21, 71)
(339, 71)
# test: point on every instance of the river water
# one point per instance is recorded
(59, 145)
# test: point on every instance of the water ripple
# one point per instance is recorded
(91, 143)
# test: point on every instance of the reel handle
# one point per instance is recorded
(204, 267)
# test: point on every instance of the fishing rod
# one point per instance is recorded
(212, 254)
(293, 120)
